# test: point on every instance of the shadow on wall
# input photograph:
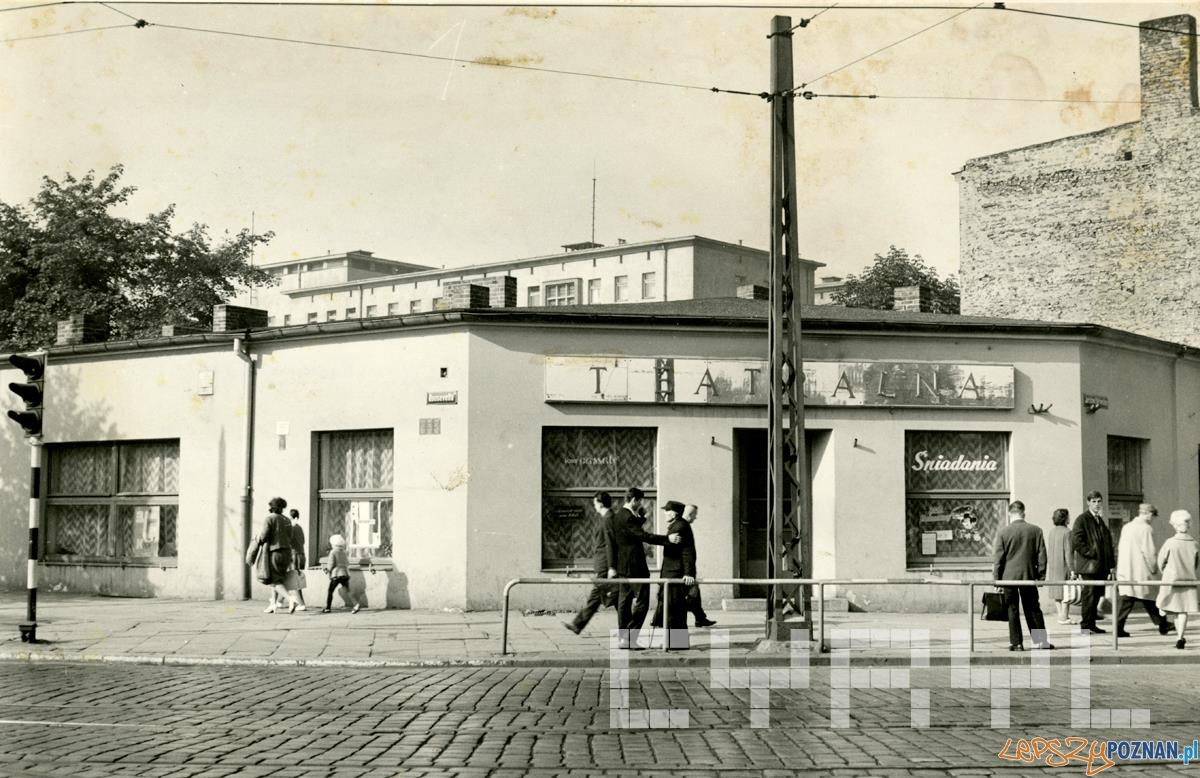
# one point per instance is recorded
(64, 415)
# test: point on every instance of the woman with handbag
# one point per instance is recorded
(1058, 564)
(275, 542)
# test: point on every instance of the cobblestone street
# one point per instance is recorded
(104, 720)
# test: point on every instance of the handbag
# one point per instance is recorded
(994, 607)
(301, 580)
(1072, 593)
(262, 565)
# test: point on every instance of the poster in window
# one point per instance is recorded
(146, 523)
(364, 527)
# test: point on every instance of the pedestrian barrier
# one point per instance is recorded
(820, 583)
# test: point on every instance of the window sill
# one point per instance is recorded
(164, 563)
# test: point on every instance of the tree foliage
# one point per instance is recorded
(874, 288)
(66, 253)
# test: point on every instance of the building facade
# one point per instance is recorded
(1098, 227)
(459, 449)
(357, 285)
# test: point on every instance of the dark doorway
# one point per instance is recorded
(750, 525)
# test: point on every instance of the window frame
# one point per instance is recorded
(561, 298)
(533, 297)
(114, 499)
(317, 545)
(620, 289)
(649, 282)
(594, 291)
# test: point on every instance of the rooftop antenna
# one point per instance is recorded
(593, 201)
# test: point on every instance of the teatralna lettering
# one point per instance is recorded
(923, 462)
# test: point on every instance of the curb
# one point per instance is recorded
(648, 661)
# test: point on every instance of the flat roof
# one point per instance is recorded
(732, 313)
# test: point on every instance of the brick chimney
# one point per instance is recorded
(235, 318)
(912, 298)
(502, 290)
(468, 294)
(1168, 62)
(753, 292)
(81, 328)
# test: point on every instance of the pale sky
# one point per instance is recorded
(443, 164)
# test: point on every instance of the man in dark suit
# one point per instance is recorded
(1021, 556)
(629, 561)
(679, 561)
(603, 561)
(1093, 557)
(694, 604)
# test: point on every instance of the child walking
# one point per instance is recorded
(339, 573)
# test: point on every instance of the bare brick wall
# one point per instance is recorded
(1101, 227)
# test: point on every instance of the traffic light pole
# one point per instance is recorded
(29, 626)
(788, 526)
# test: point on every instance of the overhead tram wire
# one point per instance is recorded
(67, 32)
(909, 37)
(453, 60)
(816, 95)
(1092, 20)
(37, 5)
(118, 10)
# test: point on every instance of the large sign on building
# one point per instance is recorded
(602, 379)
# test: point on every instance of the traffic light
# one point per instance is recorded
(34, 367)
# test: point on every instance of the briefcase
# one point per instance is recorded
(994, 607)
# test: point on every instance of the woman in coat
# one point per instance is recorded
(1058, 561)
(275, 537)
(1179, 560)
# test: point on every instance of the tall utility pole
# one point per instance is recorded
(789, 523)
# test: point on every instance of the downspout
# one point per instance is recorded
(664, 281)
(241, 347)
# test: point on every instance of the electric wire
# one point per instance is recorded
(909, 37)
(118, 10)
(972, 98)
(809, 20)
(1092, 20)
(66, 32)
(454, 60)
(36, 5)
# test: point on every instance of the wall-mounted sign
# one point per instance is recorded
(1094, 402)
(745, 382)
(441, 398)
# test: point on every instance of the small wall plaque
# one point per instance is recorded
(441, 398)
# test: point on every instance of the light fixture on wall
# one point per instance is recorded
(1040, 408)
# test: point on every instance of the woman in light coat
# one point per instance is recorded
(1179, 559)
(1058, 561)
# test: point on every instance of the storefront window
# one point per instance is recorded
(577, 462)
(957, 496)
(113, 502)
(355, 492)
(1124, 481)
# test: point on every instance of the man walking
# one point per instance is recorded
(1137, 560)
(1021, 556)
(1092, 557)
(679, 561)
(633, 600)
(603, 563)
(694, 605)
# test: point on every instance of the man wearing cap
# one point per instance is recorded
(1092, 557)
(1137, 560)
(679, 561)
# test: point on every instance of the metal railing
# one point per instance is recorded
(821, 583)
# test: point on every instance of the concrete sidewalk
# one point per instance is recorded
(157, 631)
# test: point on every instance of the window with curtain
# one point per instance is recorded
(355, 470)
(113, 502)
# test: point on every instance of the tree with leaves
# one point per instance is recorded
(875, 287)
(66, 253)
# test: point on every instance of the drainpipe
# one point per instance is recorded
(664, 273)
(241, 347)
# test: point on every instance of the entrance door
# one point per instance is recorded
(753, 466)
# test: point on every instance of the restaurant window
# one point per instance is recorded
(620, 289)
(534, 298)
(957, 494)
(577, 462)
(354, 491)
(414, 306)
(312, 317)
(330, 315)
(1124, 480)
(593, 291)
(562, 293)
(372, 310)
(351, 313)
(113, 502)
